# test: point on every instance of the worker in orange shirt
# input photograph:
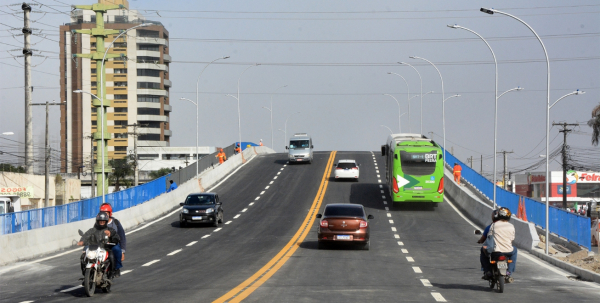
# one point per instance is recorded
(221, 156)
(456, 171)
(260, 143)
(237, 149)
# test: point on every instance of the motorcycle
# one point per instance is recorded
(96, 266)
(499, 267)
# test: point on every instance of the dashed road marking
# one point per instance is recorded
(267, 187)
(376, 167)
(228, 222)
(284, 165)
(151, 262)
(384, 202)
(192, 243)
(410, 259)
(438, 297)
(217, 229)
(397, 236)
(383, 197)
(262, 192)
(236, 216)
(271, 182)
(251, 203)
(244, 210)
(387, 208)
(205, 236)
(379, 180)
(400, 243)
(275, 177)
(417, 270)
(426, 283)
(404, 251)
(174, 252)
(377, 171)
(64, 290)
(383, 192)
(278, 172)
(388, 214)
(281, 168)
(391, 221)
(380, 186)
(378, 176)
(393, 228)
(126, 271)
(256, 198)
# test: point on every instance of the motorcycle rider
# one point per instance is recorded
(98, 232)
(117, 250)
(484, 258)
(504, 234)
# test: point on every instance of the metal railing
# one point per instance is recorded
(568, 225)
(188, 172)
(80, 210)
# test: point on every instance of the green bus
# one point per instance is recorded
(414, 168)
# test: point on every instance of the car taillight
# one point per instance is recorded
(441, 186)
(395, 185)
(324, 223)
(363, 224)
(501, 258)
(339, 168)
(355, 168)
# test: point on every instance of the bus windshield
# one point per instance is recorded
(418, 164)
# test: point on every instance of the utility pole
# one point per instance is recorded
(470, 160)
(27, 52)
(47, 155)
(564, 158)
(135, 156)
(505, 165)
(481, 169)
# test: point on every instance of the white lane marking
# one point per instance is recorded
(384, 202)
(228, 222)
(262, 192)
(404, 251)
(217, 229)
(281, 168)
(174, 252)
(274, 177)
(388, 214)
(380, 186)
(256, 198)
(251, 203)
(64, 290)
(417, 270)
(278, 172)
(244, 210)
(426, 283)
(205, 236)
(387, 208)
(192, 243)
(525, 254)
(397, 236)
(379, 180)
(391, 221)
(271, 182)
(236, 216)
(284, 165)
(383, 197)
(267, 187)
(393, 228)
(376, 167)
(377, 171)
(126, 271)
(383, 192)
(400, 243)
(410, 259)
(378, 176)
(438, 297)
(151, 262)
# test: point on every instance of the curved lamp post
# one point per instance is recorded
(399, 125)
(270, 109)
(407, 98)
(195, 103)
(420, 79)
(391, 132)
(238, 103)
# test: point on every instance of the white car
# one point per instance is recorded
(347, 169)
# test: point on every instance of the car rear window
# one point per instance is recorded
(342, 210)
(346, 165)
(200, 200)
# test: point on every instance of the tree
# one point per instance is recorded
(159, 173)
(594, 123)
(121, 171)
(10, 168)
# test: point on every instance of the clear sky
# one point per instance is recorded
(334, 56)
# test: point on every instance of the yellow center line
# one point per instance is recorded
(245, 288)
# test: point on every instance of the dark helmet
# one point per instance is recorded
(102, 216)
(504, 214)
(495, 215)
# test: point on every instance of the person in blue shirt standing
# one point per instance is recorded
(172, 187)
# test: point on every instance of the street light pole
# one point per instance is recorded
(197, 156)
(238, 100)
(285, 125)
(491, 12)
(443, 100)
(407, 98)
(420, 79)
(399, 125)
(271, 110)
(444, 121)
(391, 132)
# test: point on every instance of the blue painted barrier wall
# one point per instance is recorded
(565, 224)
(80, 210)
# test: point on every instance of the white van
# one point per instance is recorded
(300, 148)
(9, 204)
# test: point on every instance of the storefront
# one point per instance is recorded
(581, 186)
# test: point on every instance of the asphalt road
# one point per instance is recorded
(430, 256)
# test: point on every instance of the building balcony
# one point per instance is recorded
(168, 83)
(168, 108)
(168, 133)
(146, 130)
(148, 105)
(147, 53)
(156, 66)
(148, 40)
(154, 92)
(148, 79)
(157, 118)
(167, 58)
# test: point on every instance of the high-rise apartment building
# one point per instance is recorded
(137, 85)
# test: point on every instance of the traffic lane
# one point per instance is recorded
(150, 243)
(347, 273)
(216, 264)
(444, 245)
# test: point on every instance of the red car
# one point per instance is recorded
(344, 223)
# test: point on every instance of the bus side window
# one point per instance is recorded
(396, 156)
(440, 156)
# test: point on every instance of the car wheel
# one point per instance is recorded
(367, 245)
